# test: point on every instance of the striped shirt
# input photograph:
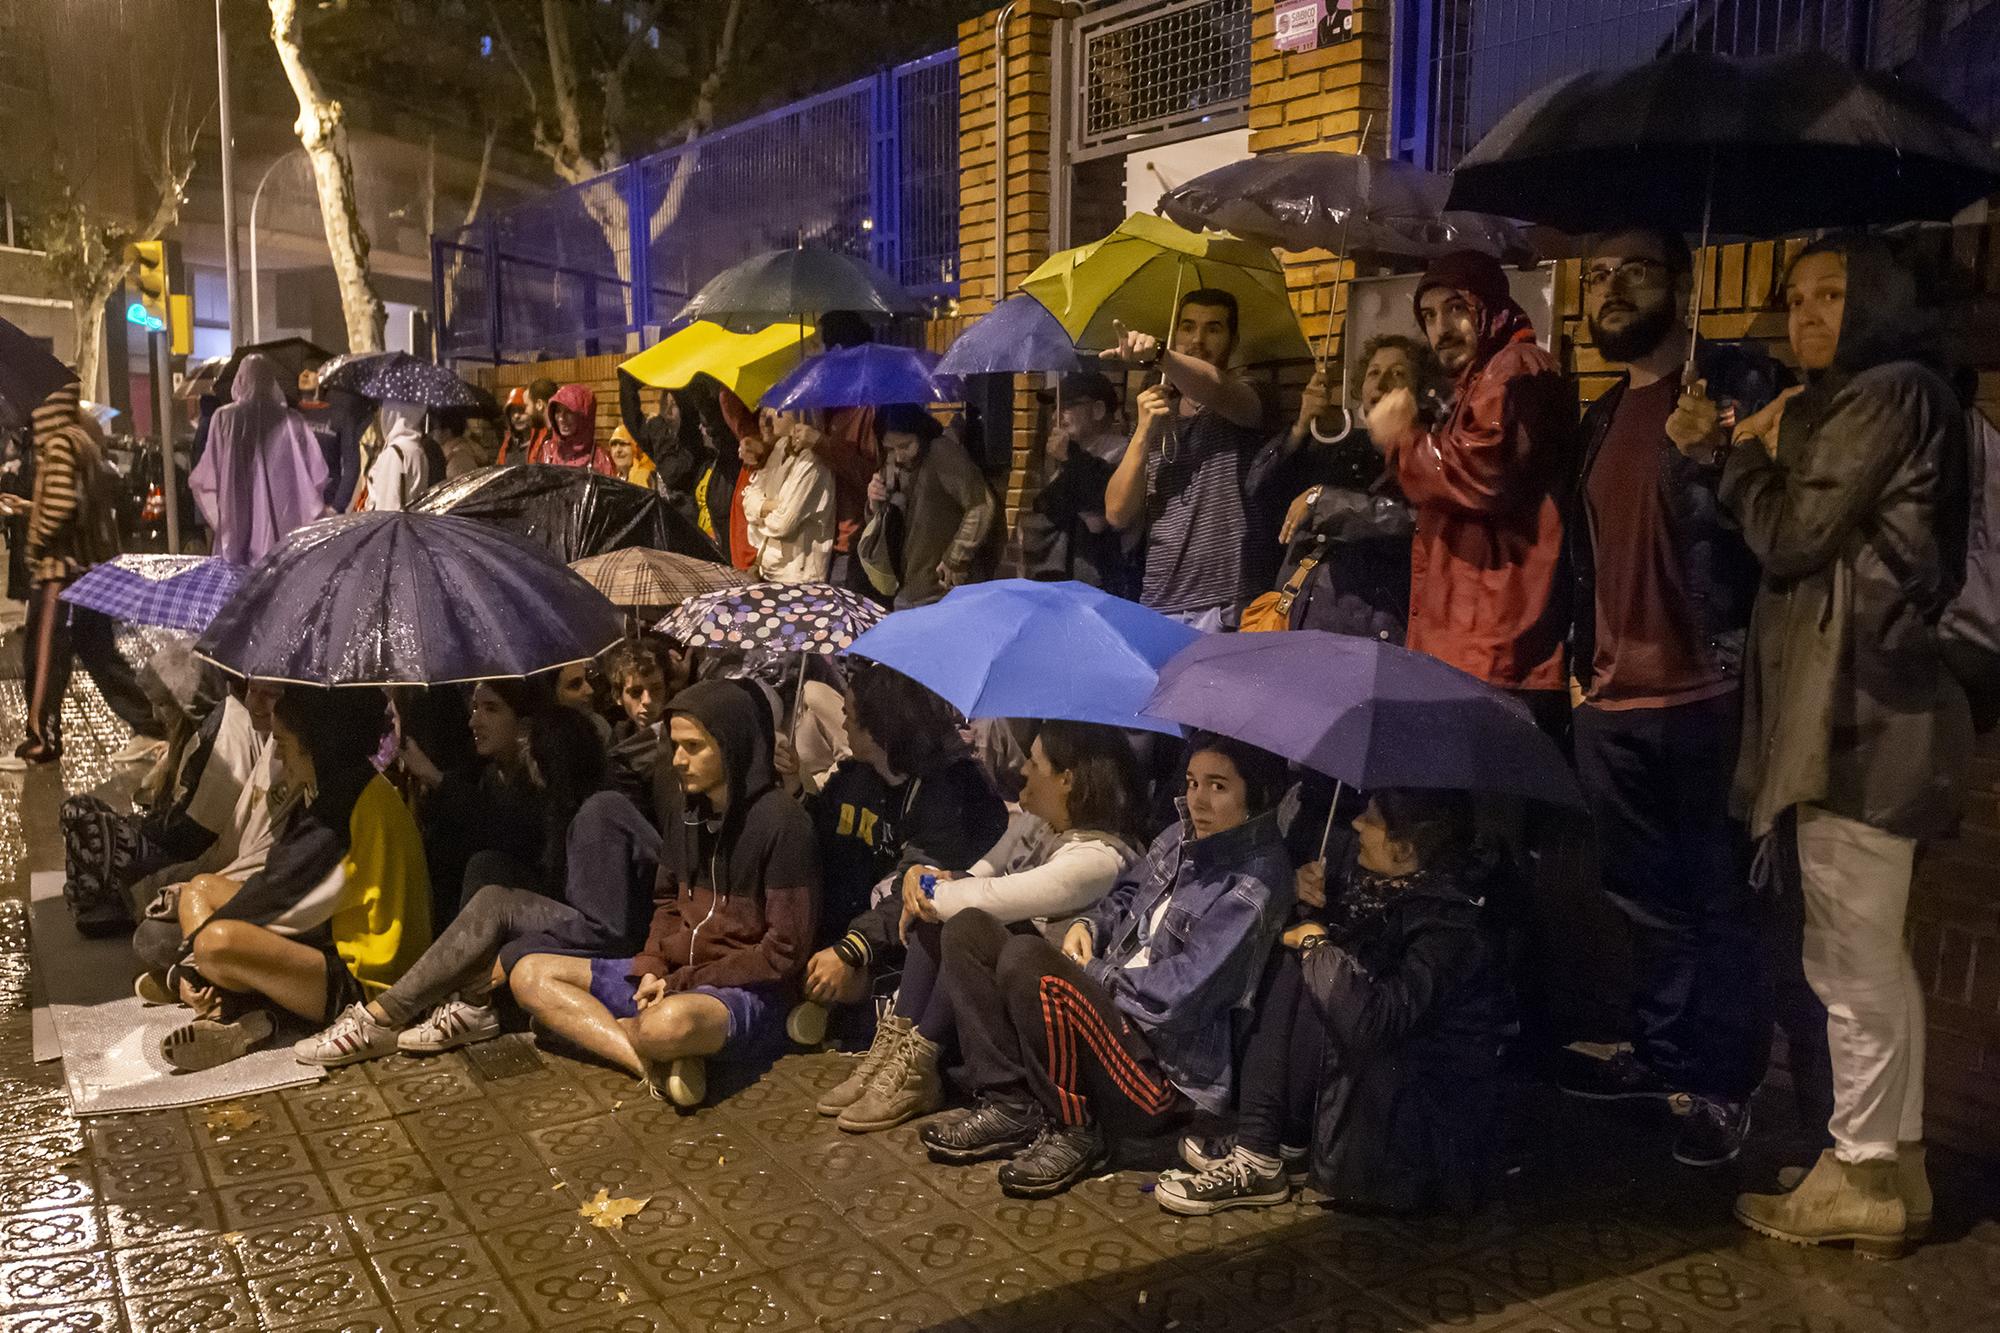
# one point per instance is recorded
(1197, 517)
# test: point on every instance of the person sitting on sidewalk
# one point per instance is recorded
(1133, 1018)
(1080, 811)
(1373, 1065)
(737, 890)
(608, 857)
(644, 673)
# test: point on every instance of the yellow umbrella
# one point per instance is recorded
(1137, 275)
(748, 363)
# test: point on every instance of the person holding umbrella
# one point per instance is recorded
(1853, 494)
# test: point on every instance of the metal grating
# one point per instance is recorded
(925, 116)
(1156, 67)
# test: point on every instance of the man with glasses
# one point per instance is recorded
(1663, 592)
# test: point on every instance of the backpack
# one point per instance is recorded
(1969, 631)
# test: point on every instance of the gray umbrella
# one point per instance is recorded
(795, 284)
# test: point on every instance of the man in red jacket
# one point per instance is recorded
(1484, 588)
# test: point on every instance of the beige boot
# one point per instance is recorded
(905, 1086)
(1914, 1185)
(1852, 1201)
(889, 1035)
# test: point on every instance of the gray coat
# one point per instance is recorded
(1847, 703)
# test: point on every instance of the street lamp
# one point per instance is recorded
(257, 306)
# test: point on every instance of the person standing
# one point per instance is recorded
(788, 508)
(518, 439)
(263, 473)
(1487, 553)
(1182, 474)
(849, 444)
(1854, 495)
(1663, 591)
(1066, 536)
(401, 469)
(944, 503)
(571, 440)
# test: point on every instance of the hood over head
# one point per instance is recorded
(257, 381)
(1483, 282)
(1884, 319)
(737, 714)
(401, 422)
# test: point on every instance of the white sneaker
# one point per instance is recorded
(140, 750)
(354, 1036)
(454, 1023)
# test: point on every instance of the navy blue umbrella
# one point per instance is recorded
(407, 599)
(871, 375)
(398, 377)
(1018, 336)
(29, 372)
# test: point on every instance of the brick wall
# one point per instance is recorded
(598, 373)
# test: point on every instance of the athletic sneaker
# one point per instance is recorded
(990, 1129)
(354, 1036)
(455, 1023)
(1622, 1077)
(1060, 1156)
(1205, 1154)
(207, 1042)
(1712, 1130)
(1235, 1182)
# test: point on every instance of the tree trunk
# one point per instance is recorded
(324, 136)
(89, 343)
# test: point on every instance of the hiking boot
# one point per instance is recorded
(1622, 1077)
(1913, 1185)
(889, 1035)
(1712, 1131)
(352, 1037)
(1060, 1156)
(455, 1023)
(1850, 1201)
(1205, 1154)
(905, 1086)
(1237, 1181)
(988, 1130)
(205, 1043)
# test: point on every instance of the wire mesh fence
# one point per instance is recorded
(1161, 67)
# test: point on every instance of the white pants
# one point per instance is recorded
(1857, 887)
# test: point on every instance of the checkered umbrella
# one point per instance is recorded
(172, 591)
(774, 617)
(643, 579)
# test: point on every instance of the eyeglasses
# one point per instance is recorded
(1626, 272)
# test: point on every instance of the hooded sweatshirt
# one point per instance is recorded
(1485, 559)
(737, 895)
(397, 475)
(263, 473)
(577, 446)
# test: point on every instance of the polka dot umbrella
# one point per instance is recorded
(774, 618)
(398, 377)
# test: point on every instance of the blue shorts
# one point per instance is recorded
(753, 1010)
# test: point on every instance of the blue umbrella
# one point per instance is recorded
(398, 377)
(407, 599)
(29, 372)
(1019, 336)
(1016, 648)
(871, 375)
(172, 591)
(1367, 713)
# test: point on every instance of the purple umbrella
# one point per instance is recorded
(1367, 713)
(1018, 336)
(871, 375)
(172, 591)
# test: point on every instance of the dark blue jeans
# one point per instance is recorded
(1677, 866)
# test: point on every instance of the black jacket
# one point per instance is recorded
(1417, 1009)
(1718, 570)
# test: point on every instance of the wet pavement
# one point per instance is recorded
(444, 1194)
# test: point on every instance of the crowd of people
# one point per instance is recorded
(1724, 589)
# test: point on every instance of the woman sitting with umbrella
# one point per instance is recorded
(1132, 1019)
(341, 907)
(598, 867)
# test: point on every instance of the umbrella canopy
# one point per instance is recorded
(29, 372)
(570, 512)
(1137, 275)
(292, 356)
(652, 581)
(798, 284)
(1367, 713)
(1348, 203)
(774, 618)
(398, 377)
(871, 375)
(1017, 648)
(172, 591)
(406, 599)
(1777, 144)
(747, 364)
(1018, 336)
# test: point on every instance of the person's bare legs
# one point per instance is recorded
(556, 990)
(237, 956)
(678, 1026)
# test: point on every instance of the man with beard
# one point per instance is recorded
(1183, 470)
(1663, 590)
(1487, 552)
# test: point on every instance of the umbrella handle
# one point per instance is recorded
(1700, 275)
(1327, 836)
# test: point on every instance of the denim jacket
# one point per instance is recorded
(1229, 896)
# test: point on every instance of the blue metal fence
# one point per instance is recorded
(869, 168)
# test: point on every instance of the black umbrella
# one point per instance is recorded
(1741, 147)
(398, 377)
(572, 512)
(29, 372)
(293, 356)
(794, 284)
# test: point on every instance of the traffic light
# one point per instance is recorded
(149, 274)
